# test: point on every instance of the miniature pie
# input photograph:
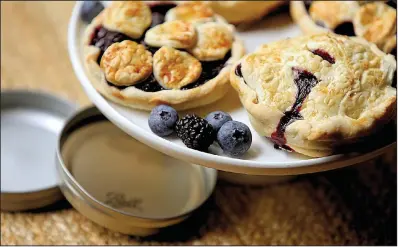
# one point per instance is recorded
(314, 94)
(374, 21)
(142, 54)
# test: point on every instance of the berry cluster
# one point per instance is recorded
(199, 133)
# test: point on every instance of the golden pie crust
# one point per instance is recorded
(352, 99)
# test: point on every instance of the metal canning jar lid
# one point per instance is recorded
(30, 124)
(122, 184)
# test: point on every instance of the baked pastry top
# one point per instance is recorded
(237, 12)
(314, 93)
(141, 55)
(373, 20)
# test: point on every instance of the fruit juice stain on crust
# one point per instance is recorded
(304, 81)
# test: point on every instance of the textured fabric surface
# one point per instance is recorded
(351, 206)
(355, 205)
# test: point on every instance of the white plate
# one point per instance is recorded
(262, 158)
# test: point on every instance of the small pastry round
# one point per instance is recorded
(195, 11)
(374, 21)
(126, 63)
(178, 78)
(314, 94)
(174, 69)
(215, 40)
(177, 34)
(129, 17)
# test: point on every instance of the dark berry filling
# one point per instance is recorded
(149, 85)
(238, 72)
(209, 71)
(345, 28)
(304, 81)
(159, 12)
(103, 38)
(324, 55)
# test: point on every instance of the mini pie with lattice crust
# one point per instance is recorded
(315, 93)
(374, 21)
(142, 54)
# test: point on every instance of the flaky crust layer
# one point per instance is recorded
(352, 99)
(207, 93)
(381, 30)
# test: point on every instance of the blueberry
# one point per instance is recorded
(91, 9)
(217, 119)
(234, 138)
(162, 120)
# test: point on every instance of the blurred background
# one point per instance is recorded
(351, 206)
(34, 50)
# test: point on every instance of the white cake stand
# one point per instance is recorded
(262, 158)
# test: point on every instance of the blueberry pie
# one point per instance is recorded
(314, 94)
(374, 21)
(142, 54)
(237, 12)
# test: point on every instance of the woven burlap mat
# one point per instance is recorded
(351, 206)
(355, 206)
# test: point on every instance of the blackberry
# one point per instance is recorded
(195, 132)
